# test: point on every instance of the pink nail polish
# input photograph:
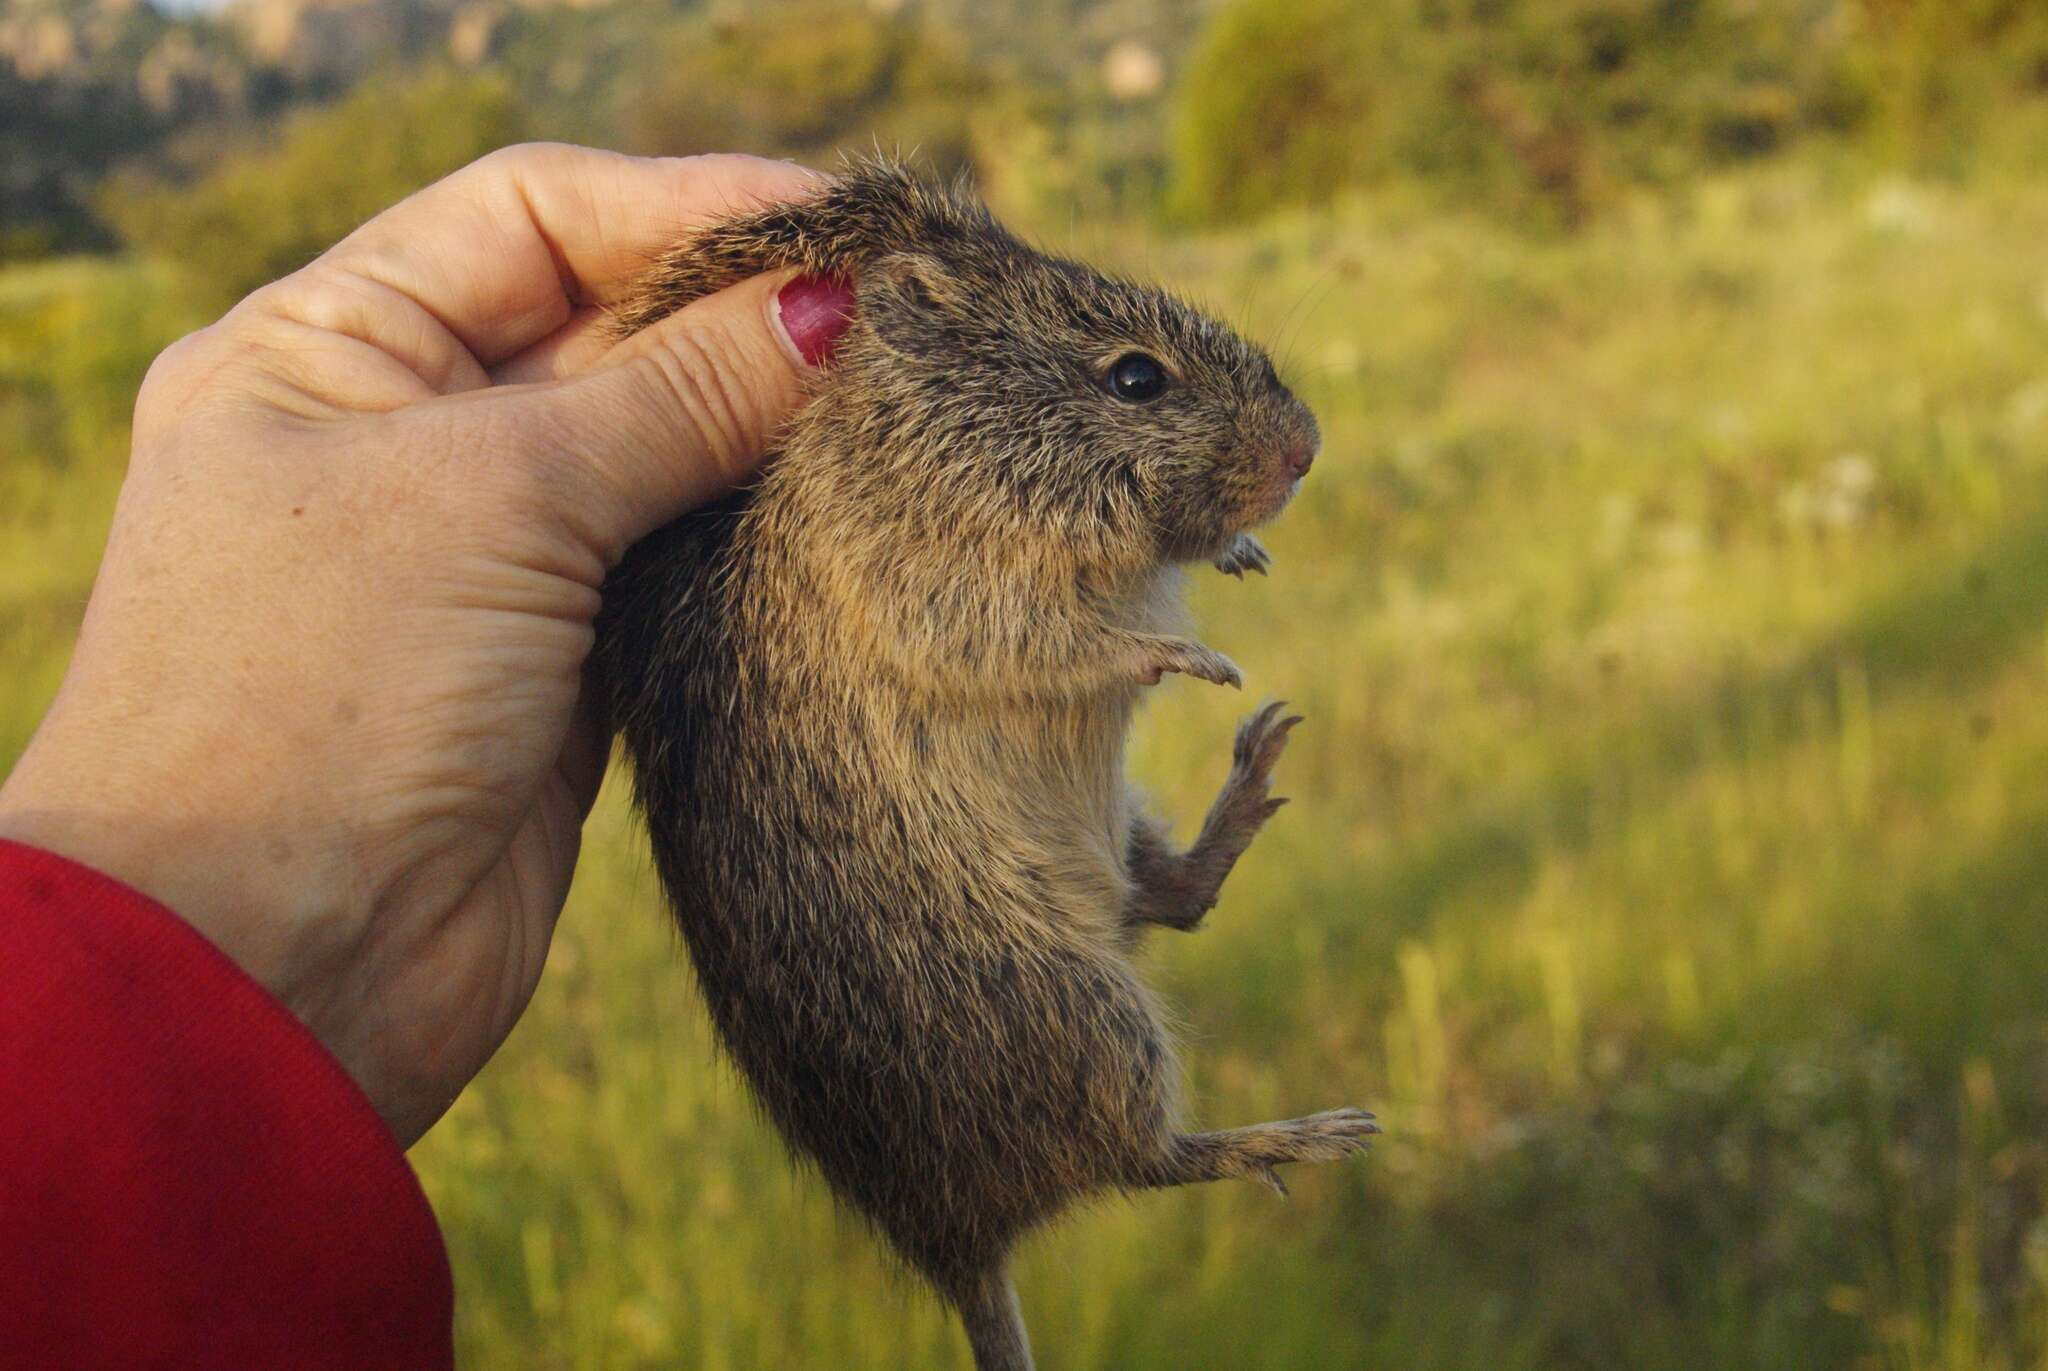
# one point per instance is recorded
(814, 311)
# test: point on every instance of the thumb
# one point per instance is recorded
(683, 411)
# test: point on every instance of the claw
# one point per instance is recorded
(1245, 553)
(1154, 657)
(1260, 739)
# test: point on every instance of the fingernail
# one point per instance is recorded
(814, 311)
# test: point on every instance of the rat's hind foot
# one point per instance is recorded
(1245, 553)
(1177, 889)
(1260, 740)
(1253, 1153)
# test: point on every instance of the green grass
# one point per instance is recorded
(1668, 861)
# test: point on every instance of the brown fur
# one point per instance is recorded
(876, 708)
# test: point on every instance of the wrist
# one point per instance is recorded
(258, 897)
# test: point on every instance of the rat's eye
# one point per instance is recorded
(1136, 378)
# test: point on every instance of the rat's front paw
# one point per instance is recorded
(1245, 553)
(1157, 656)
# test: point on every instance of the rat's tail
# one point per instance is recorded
(995, 1326)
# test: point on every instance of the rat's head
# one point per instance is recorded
(1104, 412)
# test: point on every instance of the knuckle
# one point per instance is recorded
(518, 161)
(319, 296)
(272, 299)
(168, 373)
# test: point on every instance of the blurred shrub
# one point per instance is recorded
(1281, 102)
(1549, 106)
(261, 214)
(70, 108)
(1944, 68)
(808, 79)
(76, 336)
(577, 67)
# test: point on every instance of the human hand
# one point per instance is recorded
(327, 698)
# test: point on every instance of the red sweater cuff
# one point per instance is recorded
(187, 1178)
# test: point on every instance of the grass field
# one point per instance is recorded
(1668, 862)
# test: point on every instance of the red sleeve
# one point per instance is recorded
(187, 1179)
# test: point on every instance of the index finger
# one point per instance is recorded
(502, 251)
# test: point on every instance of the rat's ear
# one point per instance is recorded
(904, 294)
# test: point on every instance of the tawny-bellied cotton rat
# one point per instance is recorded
(876, 709)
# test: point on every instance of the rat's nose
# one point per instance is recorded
(1300, 457)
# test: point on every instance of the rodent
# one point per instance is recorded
(876, 708)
